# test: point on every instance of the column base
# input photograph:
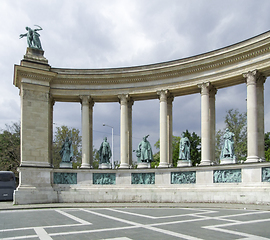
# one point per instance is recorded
(124, 165)
(86, 165)
(35, 164)
(163, 165)
(252, 159)
(205, 163)
(184, 163)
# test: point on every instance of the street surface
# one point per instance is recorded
(135, 223)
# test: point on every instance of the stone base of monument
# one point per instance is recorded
(65, 165)
(184, 163)
(105, 166)
(228, 161)
(144, 165)
(241, 183)
(34, 57)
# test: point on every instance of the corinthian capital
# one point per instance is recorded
(251, 77)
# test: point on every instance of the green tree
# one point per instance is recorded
(236, 122)
(59, 138)
(267, 146)
(95, 158)
(195, 147)
(10, 148)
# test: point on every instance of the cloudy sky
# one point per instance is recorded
(119, 33)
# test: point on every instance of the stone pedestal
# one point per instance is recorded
(144, 165)
(34, 57)
(227, 161)
(184, 163)
(105, 166)
(65, 165)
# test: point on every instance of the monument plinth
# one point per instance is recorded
(35, 58)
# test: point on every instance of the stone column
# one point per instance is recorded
(124, 163)
(260, 110)
(205, 124)
(169, 129)
(164, 161)
(91, 105)
(212, 118)
(87, 143)
(130, 103)
(252, 116)
(51, 130)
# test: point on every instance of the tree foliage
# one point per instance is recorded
(236, 122)
(267, 146)
(10, 148)
(195, 147)
(59, 138)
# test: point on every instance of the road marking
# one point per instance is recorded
(151, 217)
(246, 235)
(144, 226)
(74, 218)
(42, 234)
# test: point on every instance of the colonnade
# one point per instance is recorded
(255, 124)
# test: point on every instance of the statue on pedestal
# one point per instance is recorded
(105, 152)
(184, 148)
(66, 153)
(184, 152)
(144, 152)
(33, 37)
(227, 151)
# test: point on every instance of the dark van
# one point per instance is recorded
(7, 185)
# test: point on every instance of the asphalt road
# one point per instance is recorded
(136, 223)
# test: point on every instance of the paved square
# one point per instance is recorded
(135, 224)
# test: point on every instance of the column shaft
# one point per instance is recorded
(85, 132)
(205, 125)
(212, 118)
(252, 117)
(124, 131)
(130, 103)
(169, 130)
(163, 130)
(260, 110)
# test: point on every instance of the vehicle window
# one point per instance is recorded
(6, 177)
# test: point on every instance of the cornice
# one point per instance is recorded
(183, 67)
(32, 76)
(222, 68)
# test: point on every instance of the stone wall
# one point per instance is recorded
(240, 183)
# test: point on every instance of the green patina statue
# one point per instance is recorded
(184, 148)
(33, 37)
(67, 151)
(144, 152)
(228, 146)
(105, 152)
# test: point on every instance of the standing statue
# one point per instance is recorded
(105, 152)
(144, 152)
(184, 148)
(67, 151)
(228, 146)
(33, 37)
